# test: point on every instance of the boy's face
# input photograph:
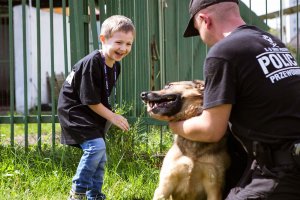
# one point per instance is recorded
(117, 46)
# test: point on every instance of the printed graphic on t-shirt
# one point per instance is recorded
(277, 63)
(70, 77)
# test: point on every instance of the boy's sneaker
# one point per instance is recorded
(100, 197)
(76, 196)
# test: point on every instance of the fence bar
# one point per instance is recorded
(85, 21)
(38, 34)
(250, 12)
(280, 17)
(53, 107)
(102, 9)
(73, 46)
(25, 73)
(161, 140)
(30, 119)
(297, 32)
(161, 19)
(65, 37)
(93, 24)
(11, 73)
(47, 119)
(77, 33)
(266, 12)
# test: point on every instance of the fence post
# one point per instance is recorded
(11, 73)
(78, 30)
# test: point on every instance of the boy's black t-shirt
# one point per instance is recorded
(256, 73)
(84, 86)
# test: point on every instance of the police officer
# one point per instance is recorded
(252, 83)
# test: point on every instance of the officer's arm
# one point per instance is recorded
(210, 126)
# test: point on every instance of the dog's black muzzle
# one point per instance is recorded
(144, 96)
(165, 105)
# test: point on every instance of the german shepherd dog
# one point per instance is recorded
(190, 170)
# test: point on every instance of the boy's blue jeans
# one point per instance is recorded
(90, 171)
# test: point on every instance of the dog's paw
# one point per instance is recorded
(160, 197)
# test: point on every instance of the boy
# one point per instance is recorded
(85, 109)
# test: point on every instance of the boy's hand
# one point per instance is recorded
(120, 121)
(115, 119)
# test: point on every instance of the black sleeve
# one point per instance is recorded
(219, 83)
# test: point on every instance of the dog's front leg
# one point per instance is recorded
(214, 196)
(172, 177)
(167, 182)
(161, 194)
(212, 183)
(168, 175)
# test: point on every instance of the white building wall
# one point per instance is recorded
(31, 48)
(291, 21)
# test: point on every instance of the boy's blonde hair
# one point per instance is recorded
(116, 23)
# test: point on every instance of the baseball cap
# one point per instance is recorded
(194, 7)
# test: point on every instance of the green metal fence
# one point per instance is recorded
(68, 30)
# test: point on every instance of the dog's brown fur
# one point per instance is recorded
(191, 170)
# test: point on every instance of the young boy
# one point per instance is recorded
(85, 108)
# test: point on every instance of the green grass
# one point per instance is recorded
(132, 170)
(35, 174)
(32, 133)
